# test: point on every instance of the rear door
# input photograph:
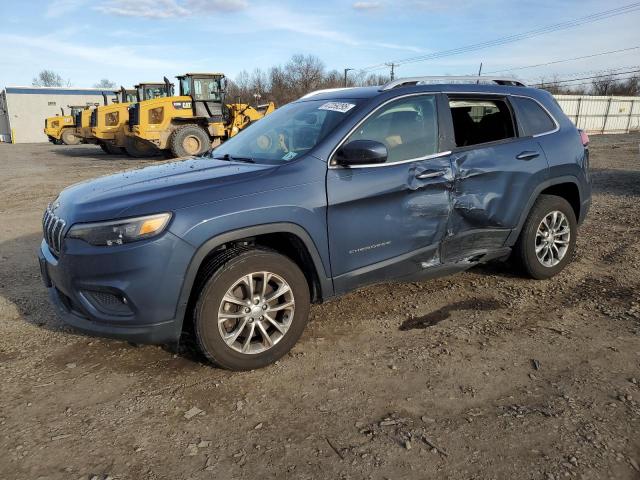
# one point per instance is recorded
(387, 220)
(496, 168)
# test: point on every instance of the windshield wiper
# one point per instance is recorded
(231, 158)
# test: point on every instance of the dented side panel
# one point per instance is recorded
(491, 186)
(384, 213)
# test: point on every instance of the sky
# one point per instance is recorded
(145, 40)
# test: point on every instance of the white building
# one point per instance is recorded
(24, 109)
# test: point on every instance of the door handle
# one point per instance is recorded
(431, 174)
(527, 155)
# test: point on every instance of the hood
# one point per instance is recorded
(164, 187)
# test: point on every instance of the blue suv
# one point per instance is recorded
(419, 178)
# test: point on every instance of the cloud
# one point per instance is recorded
(57, 8)
(366, 6)
(160, 9)
(114, 55)
(277, 18)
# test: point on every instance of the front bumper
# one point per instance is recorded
(130, 292)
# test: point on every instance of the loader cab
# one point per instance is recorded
(125, 95)
(207, 92)
(149, 91)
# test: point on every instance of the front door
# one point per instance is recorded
(387, 220)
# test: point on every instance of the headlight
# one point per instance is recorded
(122, 231)
(111, 119)
(156, 115)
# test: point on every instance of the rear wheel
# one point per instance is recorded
(69, 138)
(138, 148)
(189, 140)
(251, 309)
(112, 149)
(548, 238)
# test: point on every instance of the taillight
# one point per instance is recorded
(584, 137)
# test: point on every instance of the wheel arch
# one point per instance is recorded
(567, 187)
(288, 239)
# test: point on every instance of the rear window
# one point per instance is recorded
(532, 117)
(477, 121)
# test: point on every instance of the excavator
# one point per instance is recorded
(194, 121)
(145, 93)
(61, 128)
(110, 121)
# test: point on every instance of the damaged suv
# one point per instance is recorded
(419, 178)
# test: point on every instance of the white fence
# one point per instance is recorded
(602, 114)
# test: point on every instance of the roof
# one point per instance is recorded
(370, 92)
(150, 83)
(201, 75)
(56, 91)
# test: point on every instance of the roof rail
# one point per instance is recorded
(473, 79)
(323, 90)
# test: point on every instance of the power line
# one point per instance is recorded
(555, 82)
(551, 84)
(564, 60)
(516, 37)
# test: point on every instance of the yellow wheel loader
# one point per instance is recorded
(197, 119)
(145, 93)
(61, 128)
(111, 120)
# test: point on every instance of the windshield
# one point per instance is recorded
(288, 132)
(150, 92)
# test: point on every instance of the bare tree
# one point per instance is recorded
(105, 83)
(602, 85)
(49, 78)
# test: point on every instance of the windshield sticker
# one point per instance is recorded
(289, 156)
(337, 106)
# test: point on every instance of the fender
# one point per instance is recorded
(515, 233)
(326, 283)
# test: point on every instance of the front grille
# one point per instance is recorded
(53, 230)
(94, 118)
(134, 115)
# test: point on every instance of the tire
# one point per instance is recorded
(229, 269)
(69, 138)
(556, 257)
(139, 149)
(189, 140)
(103, 147)
(111, 149)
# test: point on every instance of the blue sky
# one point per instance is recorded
(127, 41)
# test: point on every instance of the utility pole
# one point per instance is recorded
(345, 75)
(392, 65)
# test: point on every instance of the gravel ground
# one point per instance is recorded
(483, 375)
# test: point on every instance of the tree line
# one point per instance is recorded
(305, 73)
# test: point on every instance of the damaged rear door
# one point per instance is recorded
(496, 169)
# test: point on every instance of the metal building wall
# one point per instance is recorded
(602, 114)
(27, 108)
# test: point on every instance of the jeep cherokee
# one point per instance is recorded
(419, 178)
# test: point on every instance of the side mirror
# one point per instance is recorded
(362, 152)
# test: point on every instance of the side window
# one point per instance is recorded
(478, 121)
(532, 116)
(408, 127)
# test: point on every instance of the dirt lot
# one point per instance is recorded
(483, 375)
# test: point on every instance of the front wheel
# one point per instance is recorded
(547, 241)
(251, 310)
(189, 140)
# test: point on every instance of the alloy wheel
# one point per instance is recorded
(256, 312)
(552, 238)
